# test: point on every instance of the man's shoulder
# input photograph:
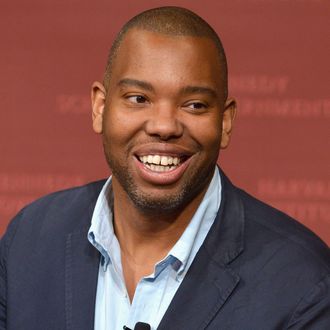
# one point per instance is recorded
(68, 197)
(68, 200)
(59, 212)
(282, 267)
(271, 229)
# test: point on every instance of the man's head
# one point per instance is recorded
(171, 21)
(163, 113)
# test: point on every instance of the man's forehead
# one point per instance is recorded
(176, 60)
(139, 44)
(174, 23)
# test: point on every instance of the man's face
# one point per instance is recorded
(163, 119)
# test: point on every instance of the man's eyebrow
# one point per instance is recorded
(136, 83)
(185, 90)
(200, 90)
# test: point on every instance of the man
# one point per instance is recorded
(167, 240)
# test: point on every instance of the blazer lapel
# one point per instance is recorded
(204, 290)
(81, 262)
(210, 281)
(81, 273)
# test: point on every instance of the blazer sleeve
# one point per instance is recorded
(313, 311)
(5, 243)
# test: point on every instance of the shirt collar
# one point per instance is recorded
(101, 232)
(195, 233)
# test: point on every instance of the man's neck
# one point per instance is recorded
(146, 237)
(155, 232)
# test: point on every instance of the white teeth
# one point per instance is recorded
(160, 163)
(160, 168)
(156, 160)
(164, 161)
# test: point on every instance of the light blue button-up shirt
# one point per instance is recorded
(153, 293)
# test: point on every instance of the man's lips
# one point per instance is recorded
(162, 149)
(161, 164)
(155, 175)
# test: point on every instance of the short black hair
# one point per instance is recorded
(173, 21)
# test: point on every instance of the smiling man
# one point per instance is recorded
(167, 242)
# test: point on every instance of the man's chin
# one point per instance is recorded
(161, 199)
(158, 204)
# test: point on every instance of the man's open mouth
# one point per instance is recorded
(161, 163)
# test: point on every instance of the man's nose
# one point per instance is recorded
(164, 123)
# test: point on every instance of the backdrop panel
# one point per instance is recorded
(278, 52)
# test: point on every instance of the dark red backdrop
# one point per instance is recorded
(278, 52)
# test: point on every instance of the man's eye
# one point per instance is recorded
(137, 99)
(196, 105)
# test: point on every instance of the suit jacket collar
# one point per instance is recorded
(204, 290)
(226, 238)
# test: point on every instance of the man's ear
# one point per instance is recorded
(228, 117)
(98, 95)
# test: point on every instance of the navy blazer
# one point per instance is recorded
(257, 269)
